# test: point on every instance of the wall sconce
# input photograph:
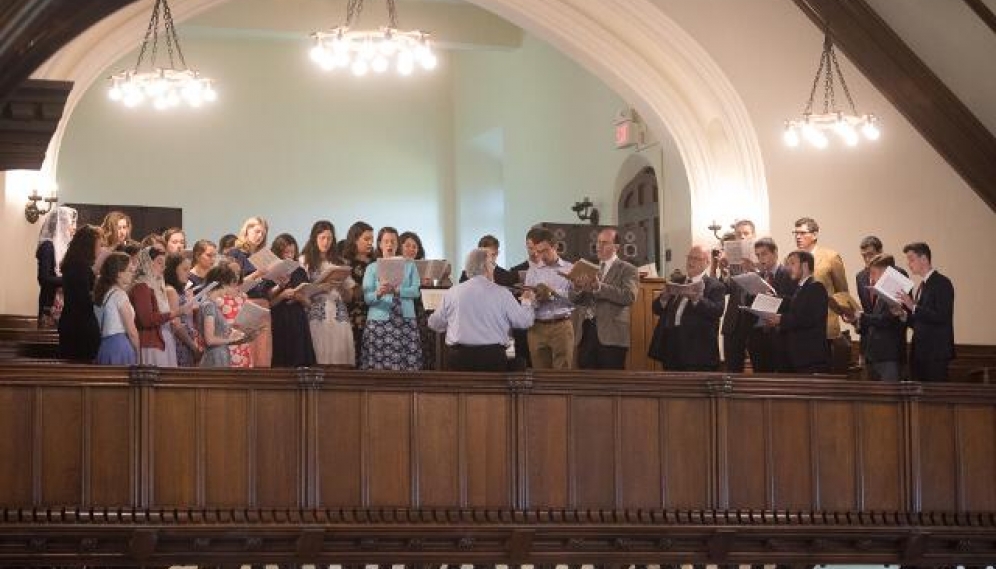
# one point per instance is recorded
(31, 211)
(586, 211)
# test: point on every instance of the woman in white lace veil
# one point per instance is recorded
(57, 229)
(152, 310)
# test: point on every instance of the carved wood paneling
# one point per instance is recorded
(351, 467)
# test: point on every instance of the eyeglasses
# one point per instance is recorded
(799, 232)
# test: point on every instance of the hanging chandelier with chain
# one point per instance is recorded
(814, 127)
(165, 86)
(363, 51)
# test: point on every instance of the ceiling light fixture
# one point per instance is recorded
(814, 128)
(165, 86)
(365, 51)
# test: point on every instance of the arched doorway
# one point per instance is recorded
(639, 217)
(632, 45)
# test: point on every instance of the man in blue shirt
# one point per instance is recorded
(477, 316)
(551, 339)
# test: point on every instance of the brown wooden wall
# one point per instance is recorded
(609, 447)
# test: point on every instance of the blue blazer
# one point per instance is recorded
(380, 308)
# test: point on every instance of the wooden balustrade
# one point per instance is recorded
(105, 465)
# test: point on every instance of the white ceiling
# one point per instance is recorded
(955, 43)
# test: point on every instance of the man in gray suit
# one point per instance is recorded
(602, 308)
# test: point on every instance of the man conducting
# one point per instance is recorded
(477, 316)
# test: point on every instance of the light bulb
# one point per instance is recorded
(160, 104)
(318, 53)
(388, 47)
(819, 140)
(360, 67)
(341, 59)
(791, 137)
(133, 98)
(192, 90)
(209, 94)
(327, 62)
(172, 98)
(115, 92)
(406, 63)
(851, 139)
(870, 131)
(429, 61)
(379, 64)
(340, 45)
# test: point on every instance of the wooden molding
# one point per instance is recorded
(28, 118)
(906, 81)
(983, 12)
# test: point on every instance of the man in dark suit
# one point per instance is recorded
(803, 322)
(503, 277)
(767, 354)
(736, 323)
(603, 307)
(870, 247)
(686, 337)
(883, 328)
(520, 337)
(931, 315)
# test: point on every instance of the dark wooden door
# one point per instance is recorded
(639, 216)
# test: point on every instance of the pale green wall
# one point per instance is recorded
(492, 141)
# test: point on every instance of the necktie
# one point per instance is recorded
(601, 270)
(919, 289)
(768, 277)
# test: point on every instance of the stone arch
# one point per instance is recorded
(630, 44)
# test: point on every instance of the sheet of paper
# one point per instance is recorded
(764, 304)
(281, 269)
(432, 269)
(648, 271)
(391, 271)
(263, 259)
(252, 317)
(737, 250)
(691, 289)
(891, 283)
(334, 274)
(752, 283)
(432, 298)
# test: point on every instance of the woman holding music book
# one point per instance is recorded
(250, 240)
(218, 334)
(179, 294)
(411, 249)
(230, 303)
(157, 345)
(288, 312)
(328, 316)
(115, 315)
(358, 253)
(391, 338)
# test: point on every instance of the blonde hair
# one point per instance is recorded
(242, 241)
(110, 228)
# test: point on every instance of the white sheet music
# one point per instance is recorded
(391, 271)
(752, 283)
(764, 305)
(891, 283)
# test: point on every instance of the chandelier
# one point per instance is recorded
(165, 86)
(814, 128)
(363, 51)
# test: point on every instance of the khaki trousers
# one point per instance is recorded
(551, 344)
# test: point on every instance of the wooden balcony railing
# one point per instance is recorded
(103, 465)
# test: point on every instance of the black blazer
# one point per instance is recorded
(693, 344)
(883, 334)
(502, 277)
(933, 320)
(803, 326)
(741, 321)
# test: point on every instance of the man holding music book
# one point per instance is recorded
(685, 338)
(803, 322)
(883, 326)
(930, 312)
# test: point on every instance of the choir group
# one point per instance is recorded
(154, 302)
(239, 303)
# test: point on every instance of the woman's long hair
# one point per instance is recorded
(112, 266)
(313, 257)
(242, 240)
(352, 236)
(82, 248)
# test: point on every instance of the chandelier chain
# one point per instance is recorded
(843, 84)
(392, 14)
(353, 10)
(149, 32)
(172, 39)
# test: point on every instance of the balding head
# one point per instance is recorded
(479, 263)
(697, 260)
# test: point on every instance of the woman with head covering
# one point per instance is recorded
(57, 230)
(157, 345)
